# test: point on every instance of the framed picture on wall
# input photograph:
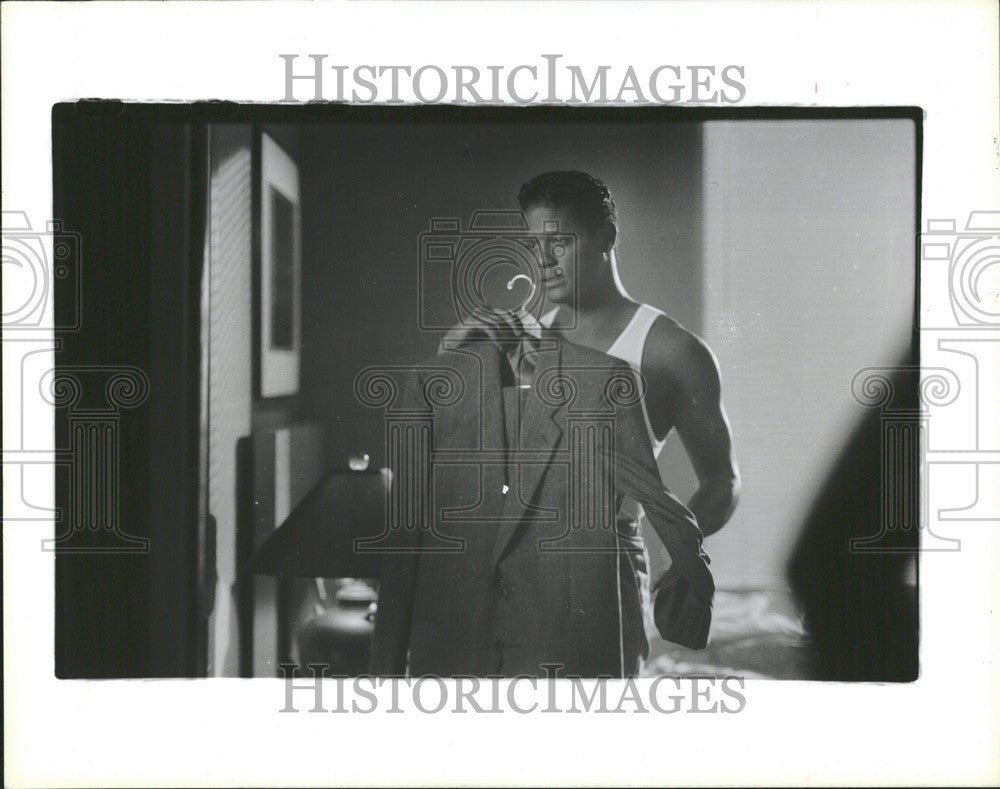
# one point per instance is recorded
(281, 271)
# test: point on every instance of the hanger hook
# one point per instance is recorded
(531, 294)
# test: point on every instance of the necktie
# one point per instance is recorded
(517, 336)
(518, 345)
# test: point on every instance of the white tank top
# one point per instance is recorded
(629, 347)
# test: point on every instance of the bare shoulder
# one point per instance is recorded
(678, 357)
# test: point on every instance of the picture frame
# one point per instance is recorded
(280, 271)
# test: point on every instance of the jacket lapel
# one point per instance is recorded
(478, 425)
(540, 435)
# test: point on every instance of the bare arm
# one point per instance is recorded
(685, 391)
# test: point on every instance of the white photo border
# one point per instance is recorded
(942, 729)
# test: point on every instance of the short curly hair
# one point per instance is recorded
(588, 197)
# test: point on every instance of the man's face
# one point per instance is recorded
(570, 253)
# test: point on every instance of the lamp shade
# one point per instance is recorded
(318, 539)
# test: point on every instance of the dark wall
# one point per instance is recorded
(370, 189)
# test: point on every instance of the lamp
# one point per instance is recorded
(317, 540)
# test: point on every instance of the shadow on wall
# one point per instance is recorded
(854, 567)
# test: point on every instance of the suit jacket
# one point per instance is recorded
(506, 556)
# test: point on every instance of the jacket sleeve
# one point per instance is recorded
(397, 565)
(682, 607)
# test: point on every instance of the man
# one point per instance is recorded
(513, 457)
(576, 214)
(574, 218)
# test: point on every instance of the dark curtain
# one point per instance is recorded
(131, 190)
